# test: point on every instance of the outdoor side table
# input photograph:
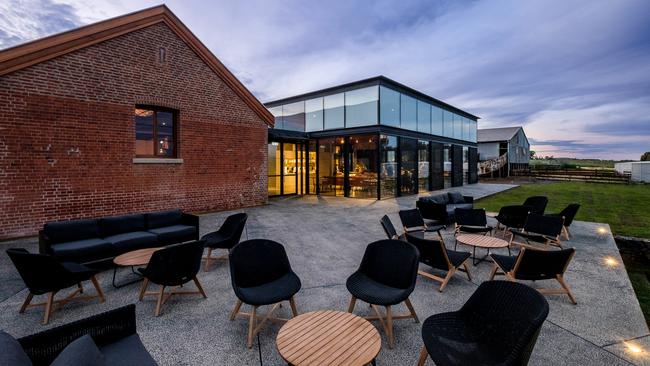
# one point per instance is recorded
(140, 257)
(328, 337)
(481, 241)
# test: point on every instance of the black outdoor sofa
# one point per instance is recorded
(93, 241)
(113, 335)
(441, 207)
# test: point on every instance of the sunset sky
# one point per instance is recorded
(575, 74)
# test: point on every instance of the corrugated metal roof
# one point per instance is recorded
(497, 134)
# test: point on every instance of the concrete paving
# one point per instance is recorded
(325, 238)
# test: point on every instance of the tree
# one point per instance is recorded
(645, 156)
(532, 154)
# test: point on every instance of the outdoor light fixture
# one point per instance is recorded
(610, 261)
(601, 230)
(634, 348)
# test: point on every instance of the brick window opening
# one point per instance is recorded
(155, 132)
(162, 55)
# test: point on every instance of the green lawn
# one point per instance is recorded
(626, 208)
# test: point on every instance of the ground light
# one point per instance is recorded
(634, 348)
(611, 261)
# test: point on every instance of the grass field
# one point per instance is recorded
(626, 208)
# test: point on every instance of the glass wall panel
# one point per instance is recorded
(290, 168)
(458, 127)
(274, 168)
(361, 107)
(423, 166)
(388, 177)
(437, 121)
(424, 117)
(465, 165)
(293, 116)
(466, 128)
(312, 167)
(331, 166)
(389, 106)
(144, 132)
(363, 166)
(334, 111)
(314, 114)
(448, 123)
(277, 113)
(408, 151)
(473, 131)
(408, 112)
(447, 166)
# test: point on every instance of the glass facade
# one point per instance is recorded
(331, 166)
(446, 168)
(408, 112)
(389, 107)
(290, 166)
(293, 116)
(334, 111)
(388, 168)
(424, 166)
(408, 149)
(314, 114)
(465, 164)
(361, 107)
(363, 166)
(274, 168)
(437, 121)
(424, 117)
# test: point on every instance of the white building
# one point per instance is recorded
(640, 170)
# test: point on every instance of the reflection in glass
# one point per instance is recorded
(274, 169)
(423, 166)
(424, 117)
(465, 165)
(363, 166)
(165, 134)
(334, 111)
(408, 109)
(436, 121)
(447, 166)
(472, 131)
(144, 132)
(408, 159)
(448, 123)
(331, 166)
(388, 172)
(458, 127)
(314, 114)
(389, 106)
(361, 107)
(293, 116)
(466, 128)
(277, 113)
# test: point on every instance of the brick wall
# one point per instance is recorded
(67, 136)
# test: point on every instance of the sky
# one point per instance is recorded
(574, 74)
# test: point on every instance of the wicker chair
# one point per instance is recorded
(569, 213)
(498, 325)
(226, 237)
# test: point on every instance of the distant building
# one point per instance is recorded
(639, 170)
(501, 150)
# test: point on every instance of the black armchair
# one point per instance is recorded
(386, 277)
(537, 204)
(261, 275)
(434, 254)
(413, 221)
(539, 229)
(512, 217)
(498, 325)
(173, 266)
(389, 229)
(569, 213)
(472, 220)
(43, 274)
(226, 237)
(536, 265)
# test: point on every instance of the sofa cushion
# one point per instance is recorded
(121, 224)
(164, 218)
(174, 234)
(441, 199)
(127, 351)
(453, 206)
(132, 241)
(83, 250)
(80, 352)
(12, 353)
(456, 197)
(65, 231)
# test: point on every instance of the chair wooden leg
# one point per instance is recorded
(98, 288)
(251, 326)
(353, 301)
(389, 327)
(81, 288)
(28, 300)
(412, 310)
(48, 308)
(469, 276)
(198, 285)
(160, 300)
(494, 272)
(143, 288)
(294, 309)
(235, 310)
(423, 356)
(450, 273)
(566, 288)
(206, 266)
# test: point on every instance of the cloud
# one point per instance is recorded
(565, 70)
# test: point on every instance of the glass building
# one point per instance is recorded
(373, 138)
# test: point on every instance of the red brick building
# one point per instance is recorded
(127, 115)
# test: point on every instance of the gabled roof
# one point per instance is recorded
(43, 49)
(497, 134)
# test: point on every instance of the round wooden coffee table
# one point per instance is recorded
(481, 241)
(133, 258)
(328, 337)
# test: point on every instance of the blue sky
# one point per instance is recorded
(575, 74)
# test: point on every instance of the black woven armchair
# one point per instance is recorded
(413, 221)
(173, 266)
(539, 229)
(537, 204)
(472, 220)
(498, 325)
(569, 213)
(512, 217)
(43, 274)
(386, 277)
(226, 237)
(389, 229)
(536, 265)
(261, 275)
(434, 254)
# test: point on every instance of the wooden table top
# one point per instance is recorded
(481, 241)
(138, 257)
(328, 337)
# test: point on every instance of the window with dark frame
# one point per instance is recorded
(155, 132)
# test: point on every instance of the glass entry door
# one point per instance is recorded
(409, 166)
(287, 171)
